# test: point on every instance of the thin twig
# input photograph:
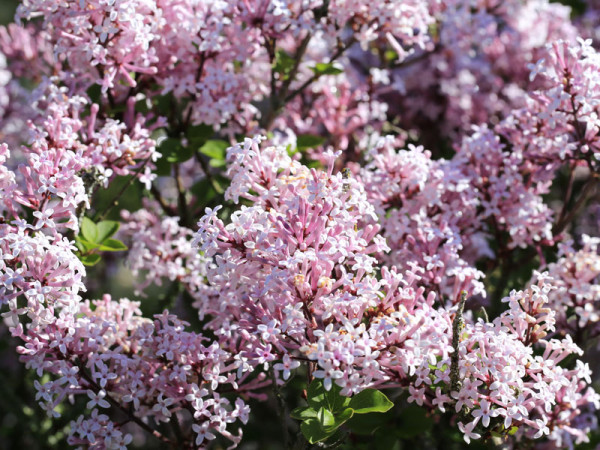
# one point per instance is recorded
(282, 98)
(218, 189)
(161, 201)
(588, 189)
(181, 203)
(339, 52)
(282, 410)
(115, 200)
(568, 192)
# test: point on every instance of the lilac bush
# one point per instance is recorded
(345, 210)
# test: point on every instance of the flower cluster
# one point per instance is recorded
(477, 70)
(505, 383)
(575, 301)
(417, 200)
(291, 294)
(118, 361)
(162, 249)
(560, 121)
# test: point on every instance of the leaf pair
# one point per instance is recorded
(328, 410)
(97, 237)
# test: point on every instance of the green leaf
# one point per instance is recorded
(84, 245)
(94, 92)
(91, 259)
(317, 397)
(164, 103)
(313, 432)
(336, 401)
(413, 421)
(306, 141)
(215, 149)
(106, 229)
(315, 394)
(174, 152)
(159, 134)
(370, 400)
(163, 167)
(142, 106)
(326, 69)
(169, 147)
(204, 191)
(217, 163)
(89, 230)
(112, 245)
(198, 134)
(303, 413)
(283, 64)
(368, 424)
(325, 417)
(341, 418)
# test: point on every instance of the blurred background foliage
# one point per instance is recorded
(24, 425)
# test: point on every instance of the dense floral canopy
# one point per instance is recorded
(343, 202)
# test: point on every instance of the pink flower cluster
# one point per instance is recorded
(575, 300)
(115, 359)
(560, 121)
(477, 70)
(162, 249)
(506, 383)
(291, 294)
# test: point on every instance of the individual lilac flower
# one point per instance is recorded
(468, 432)
(328, 373)
(202, 432)
(162, 407)
(484, 412)
(97, 398)
(269, 331)
(416, 395)
(287, 365)
(541, 425)
(440, 399)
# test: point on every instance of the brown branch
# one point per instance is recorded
(457, 326)
(568, 192)
(168, 210)
(588, 190)
(339, 52)
(115, 201)
(181, 203)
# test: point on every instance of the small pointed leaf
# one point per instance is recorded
(89, 230)
(304, 412)
(90, 260)
(112, 245)
(106, 229)
(370, 400)
(313, 432)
